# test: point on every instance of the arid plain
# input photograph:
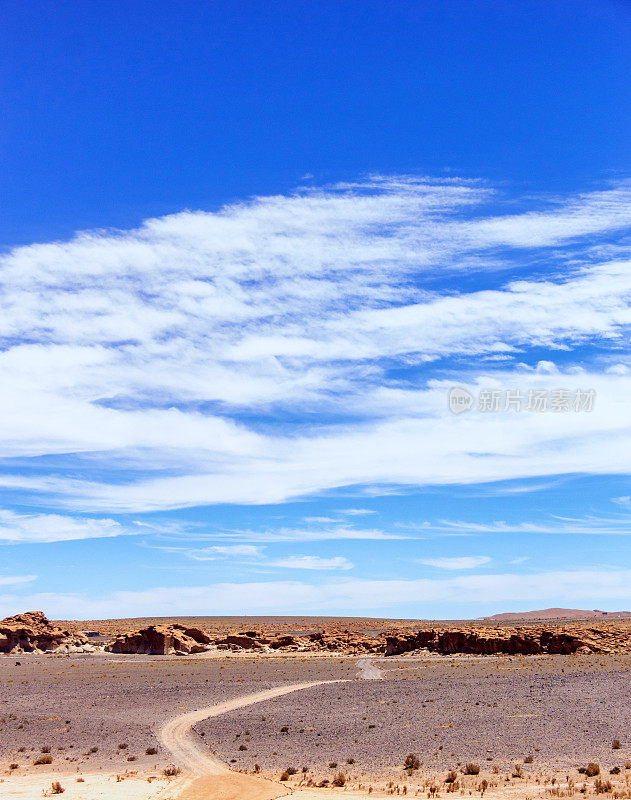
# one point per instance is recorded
(262, 723)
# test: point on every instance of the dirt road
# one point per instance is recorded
(368, 671)
(188, 754)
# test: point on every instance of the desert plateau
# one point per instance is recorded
(317, 707)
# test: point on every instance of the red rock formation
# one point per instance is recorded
(32, 632)
(511, 641)
(161, 640)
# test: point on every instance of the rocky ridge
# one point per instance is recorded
(523, 640)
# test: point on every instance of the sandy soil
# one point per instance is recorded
(94, 787)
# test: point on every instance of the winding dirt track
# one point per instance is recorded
(187, 752)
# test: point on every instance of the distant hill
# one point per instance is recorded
(561, 613)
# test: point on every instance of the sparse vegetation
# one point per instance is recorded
(339, 779)
(615, 745)
(57, 788)
(171, 771)
(472, 769)
(411, 762)
(43, 760)
(151, 751)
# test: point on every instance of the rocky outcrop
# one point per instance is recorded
(510, 641)
(32, 632)
(161, 640)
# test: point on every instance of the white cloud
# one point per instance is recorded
(217, 552)
(15, 528)
(619, 525)
(138, 351)
(590, 588)
(308, 534)
(312, 562)
(458, 562)
(16, 580)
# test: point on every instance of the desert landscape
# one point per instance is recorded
(210, 708)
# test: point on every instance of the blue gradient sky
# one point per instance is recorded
(247, 250)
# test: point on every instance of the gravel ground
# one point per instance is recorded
(564, 711)
(492, 711)
(73, 704)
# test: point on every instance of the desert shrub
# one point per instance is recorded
(602, 787)
(123, 746)
(242, 747)
(57, 788)
(131, 758)
(43, 760)
(451, 776)
(257, 768)
(529, 760)
(615, 745)
(350, 760)
(339, 779)
(614, 771)
(285, 729)
(411, 762)
(472, 769)
(333, 764)
(171, 771)
(93, 750)
(13, 766)
(284, 776)
(45, 749)
(484, 785)
(291, 770)
(518, 771)
(151, 751)
(592, 769)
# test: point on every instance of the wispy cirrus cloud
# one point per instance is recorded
(456, 562)
(21, 528)
(16, 580)
(267, 351)
(312, 562)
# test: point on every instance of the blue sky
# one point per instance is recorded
(249, 249)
